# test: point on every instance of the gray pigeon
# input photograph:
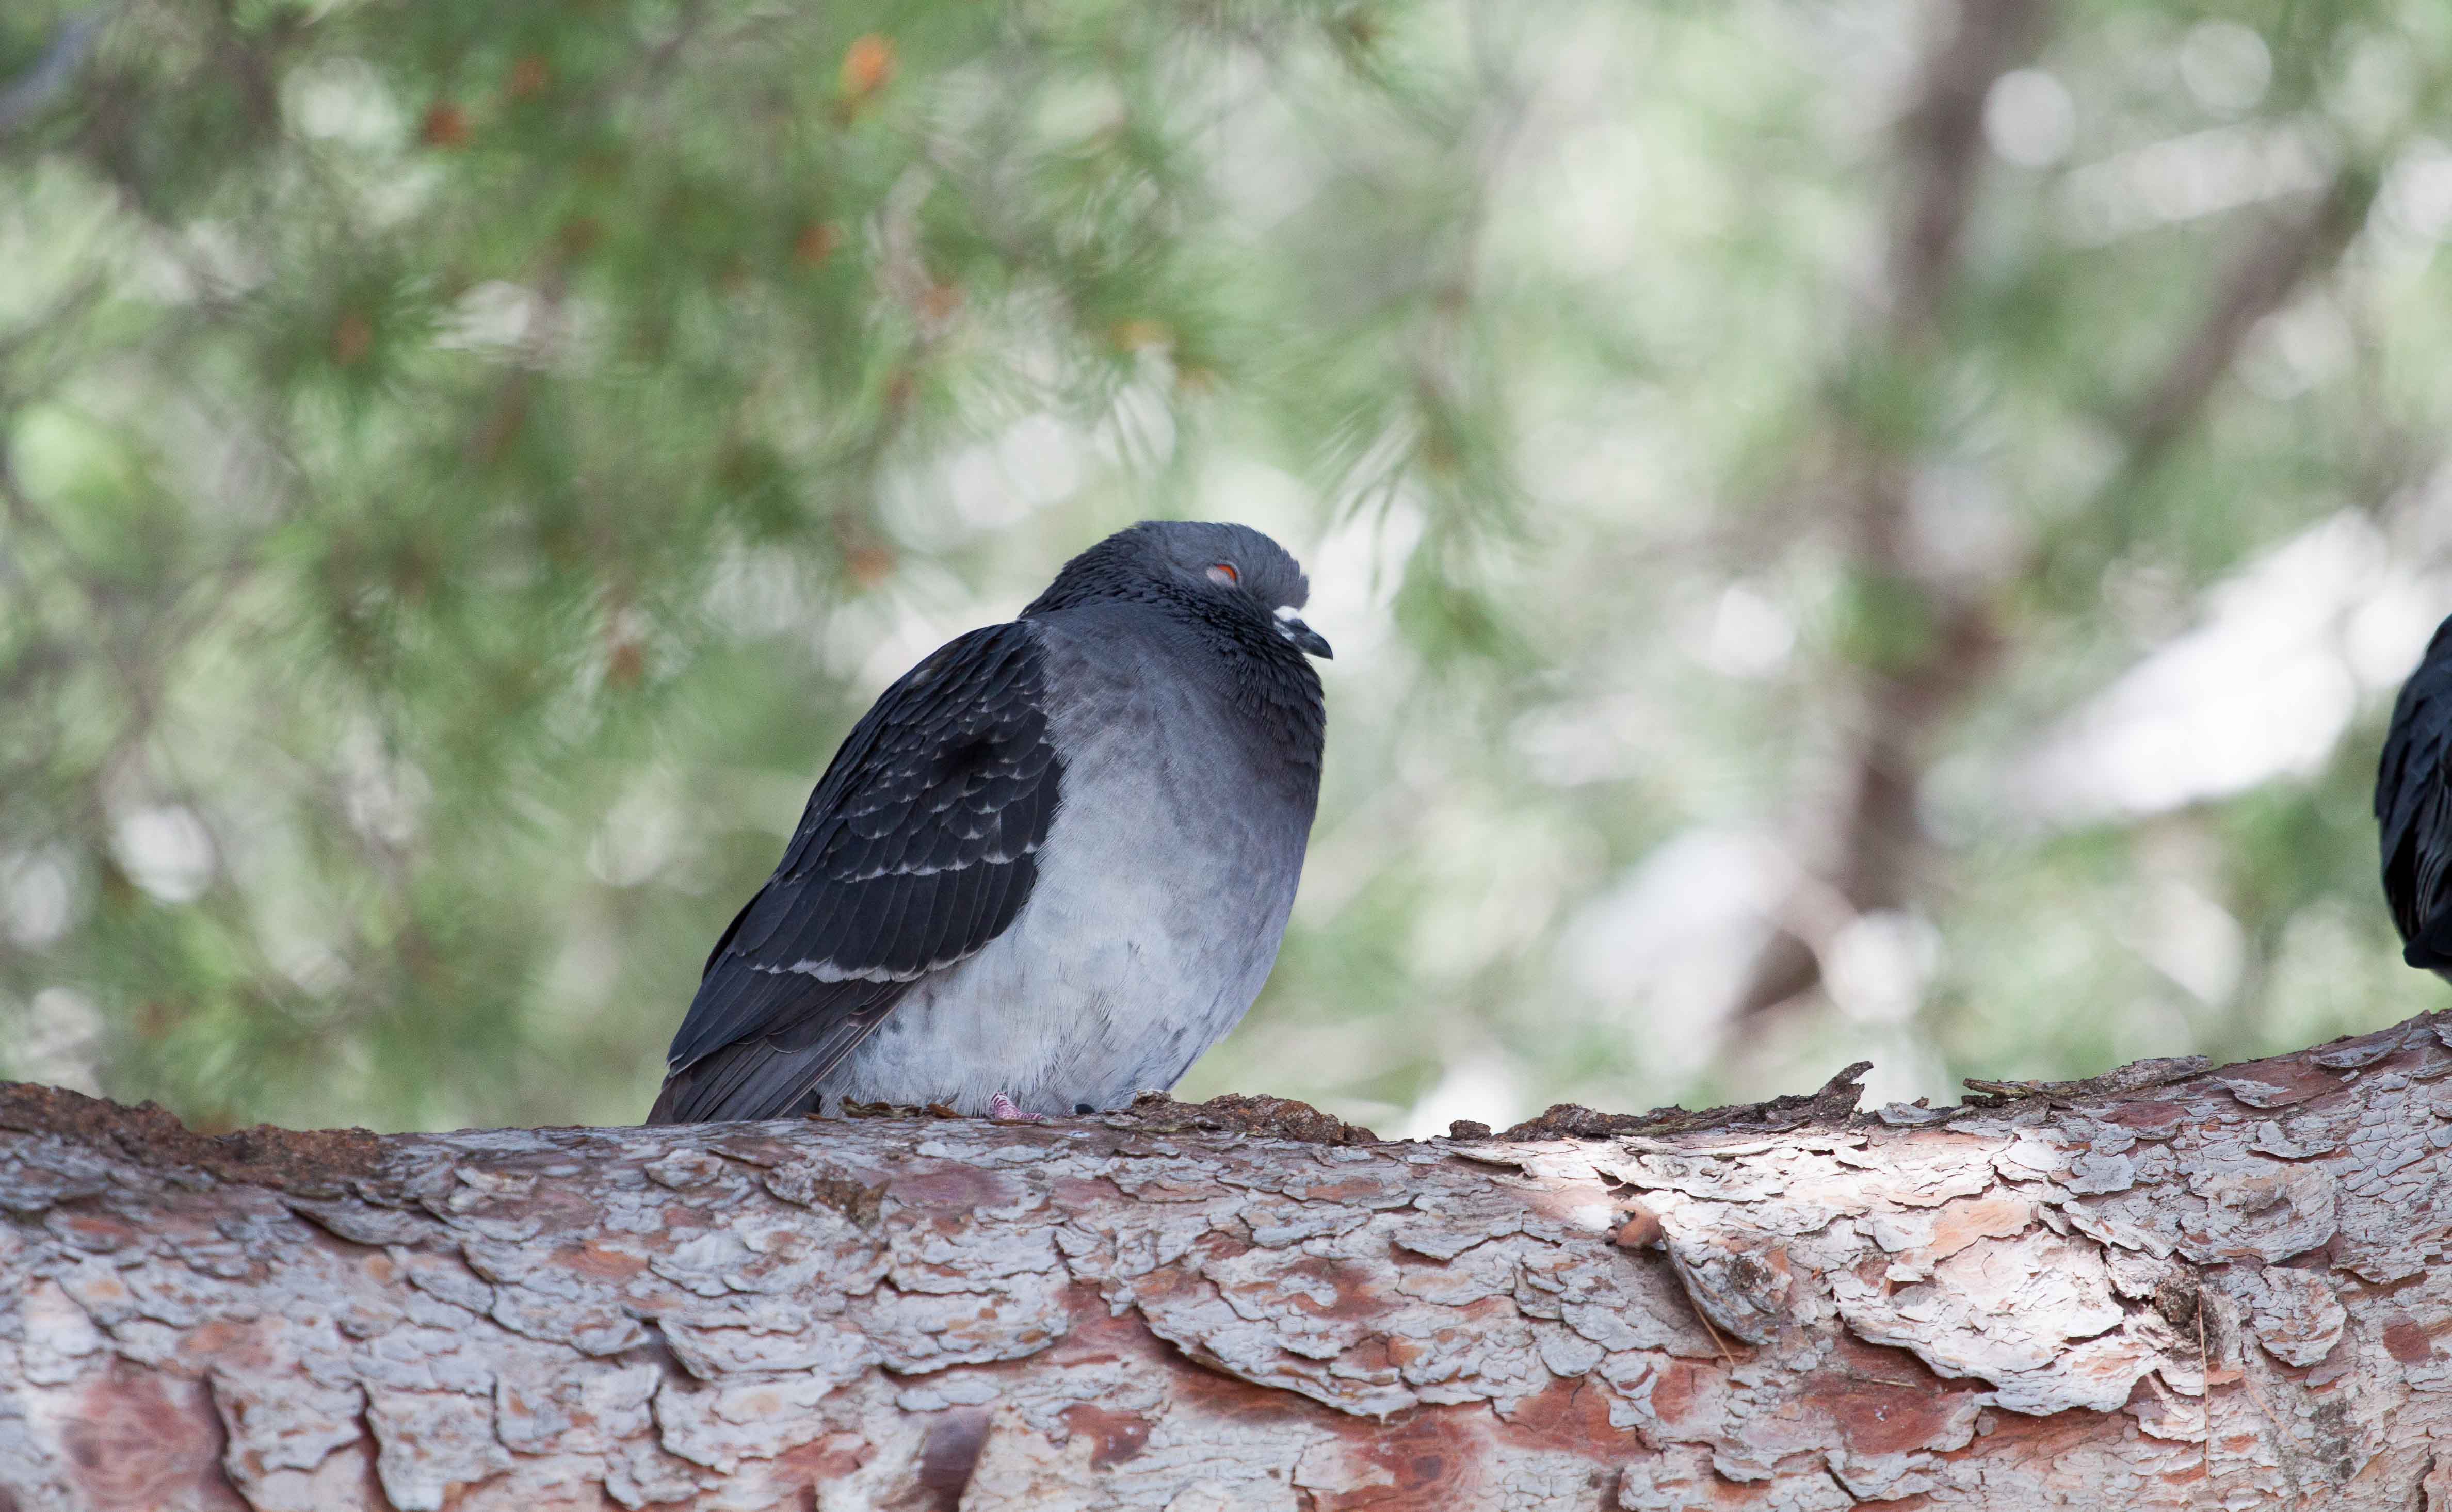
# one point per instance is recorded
(1049, 868)
(2413, 805)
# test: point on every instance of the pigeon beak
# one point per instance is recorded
(1304, 638)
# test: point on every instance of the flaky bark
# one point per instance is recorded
(2169, 1288)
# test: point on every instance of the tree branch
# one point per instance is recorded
(1942, 145)
(2173, 1287)
(2260, 279)
(1872, 842)
(1877, 849)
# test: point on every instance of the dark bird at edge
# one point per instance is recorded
(1049, 868)
(2413, 805)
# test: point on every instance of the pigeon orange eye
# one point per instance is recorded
(1224, 574)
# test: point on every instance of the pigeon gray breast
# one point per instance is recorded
(1049, 868)
(2413, 805)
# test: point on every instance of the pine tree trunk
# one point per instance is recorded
(2167, 1287)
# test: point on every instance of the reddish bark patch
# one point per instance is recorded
(1197, 1387)
(98, 1233)
(142, 1441)
(1356, 1302)
(2153, 1119)
(1375, 1358)
(592, 1258)
(1082, 1193)
(1877, 1417)
(761, 1150)
(1641, 1229)
(1114, 1437)
(1882, 1362)
(1098, 1335)
(1572, 1415)
(317, 1161)
(831, 1458)
(2278, 1082)
(2012, 1437)
(1432, 1458)
(1994, 1215)
(1362, 1191)
(1215, 1394)
(2407, 1341)
(221, 1338)
(948, 1187)
(1675, 1387)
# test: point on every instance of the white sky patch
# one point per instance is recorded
(1905, 1066)
(877, 638)
(2264, 688)
(344, 100)
(513, 322)
(1668, 948)
(385, 795)
(313, 965)
(1035, 463)
(165, 851)
(1591, 741)
(1481, 1086)
(1138, 432)
(639, 837)
(909, 642)
(2293, 350)
(2187, 177)
(1589, 195)
(1268, 500)
(63, 1032)
(2030, 119)
(760, 591)
(1877, 966)
(37, 897)
(493, 314)
(1354, 571)
(2416, 199)
(982, 495)
(2191, 939)
(1966, 530)
(2225, 66)
(1741, 633)
(2386, 635)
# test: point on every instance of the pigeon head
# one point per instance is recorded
(1227, 576)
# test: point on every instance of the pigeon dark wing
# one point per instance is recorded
(918, 848)
(2412, 802)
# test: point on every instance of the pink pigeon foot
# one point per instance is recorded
(1004, 1110)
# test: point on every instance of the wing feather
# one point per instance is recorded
(918, 847)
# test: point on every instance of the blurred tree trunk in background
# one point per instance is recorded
(1928, 640)
(1936, 627)
(2168, 1288)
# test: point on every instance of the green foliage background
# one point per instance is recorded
(462, 467)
